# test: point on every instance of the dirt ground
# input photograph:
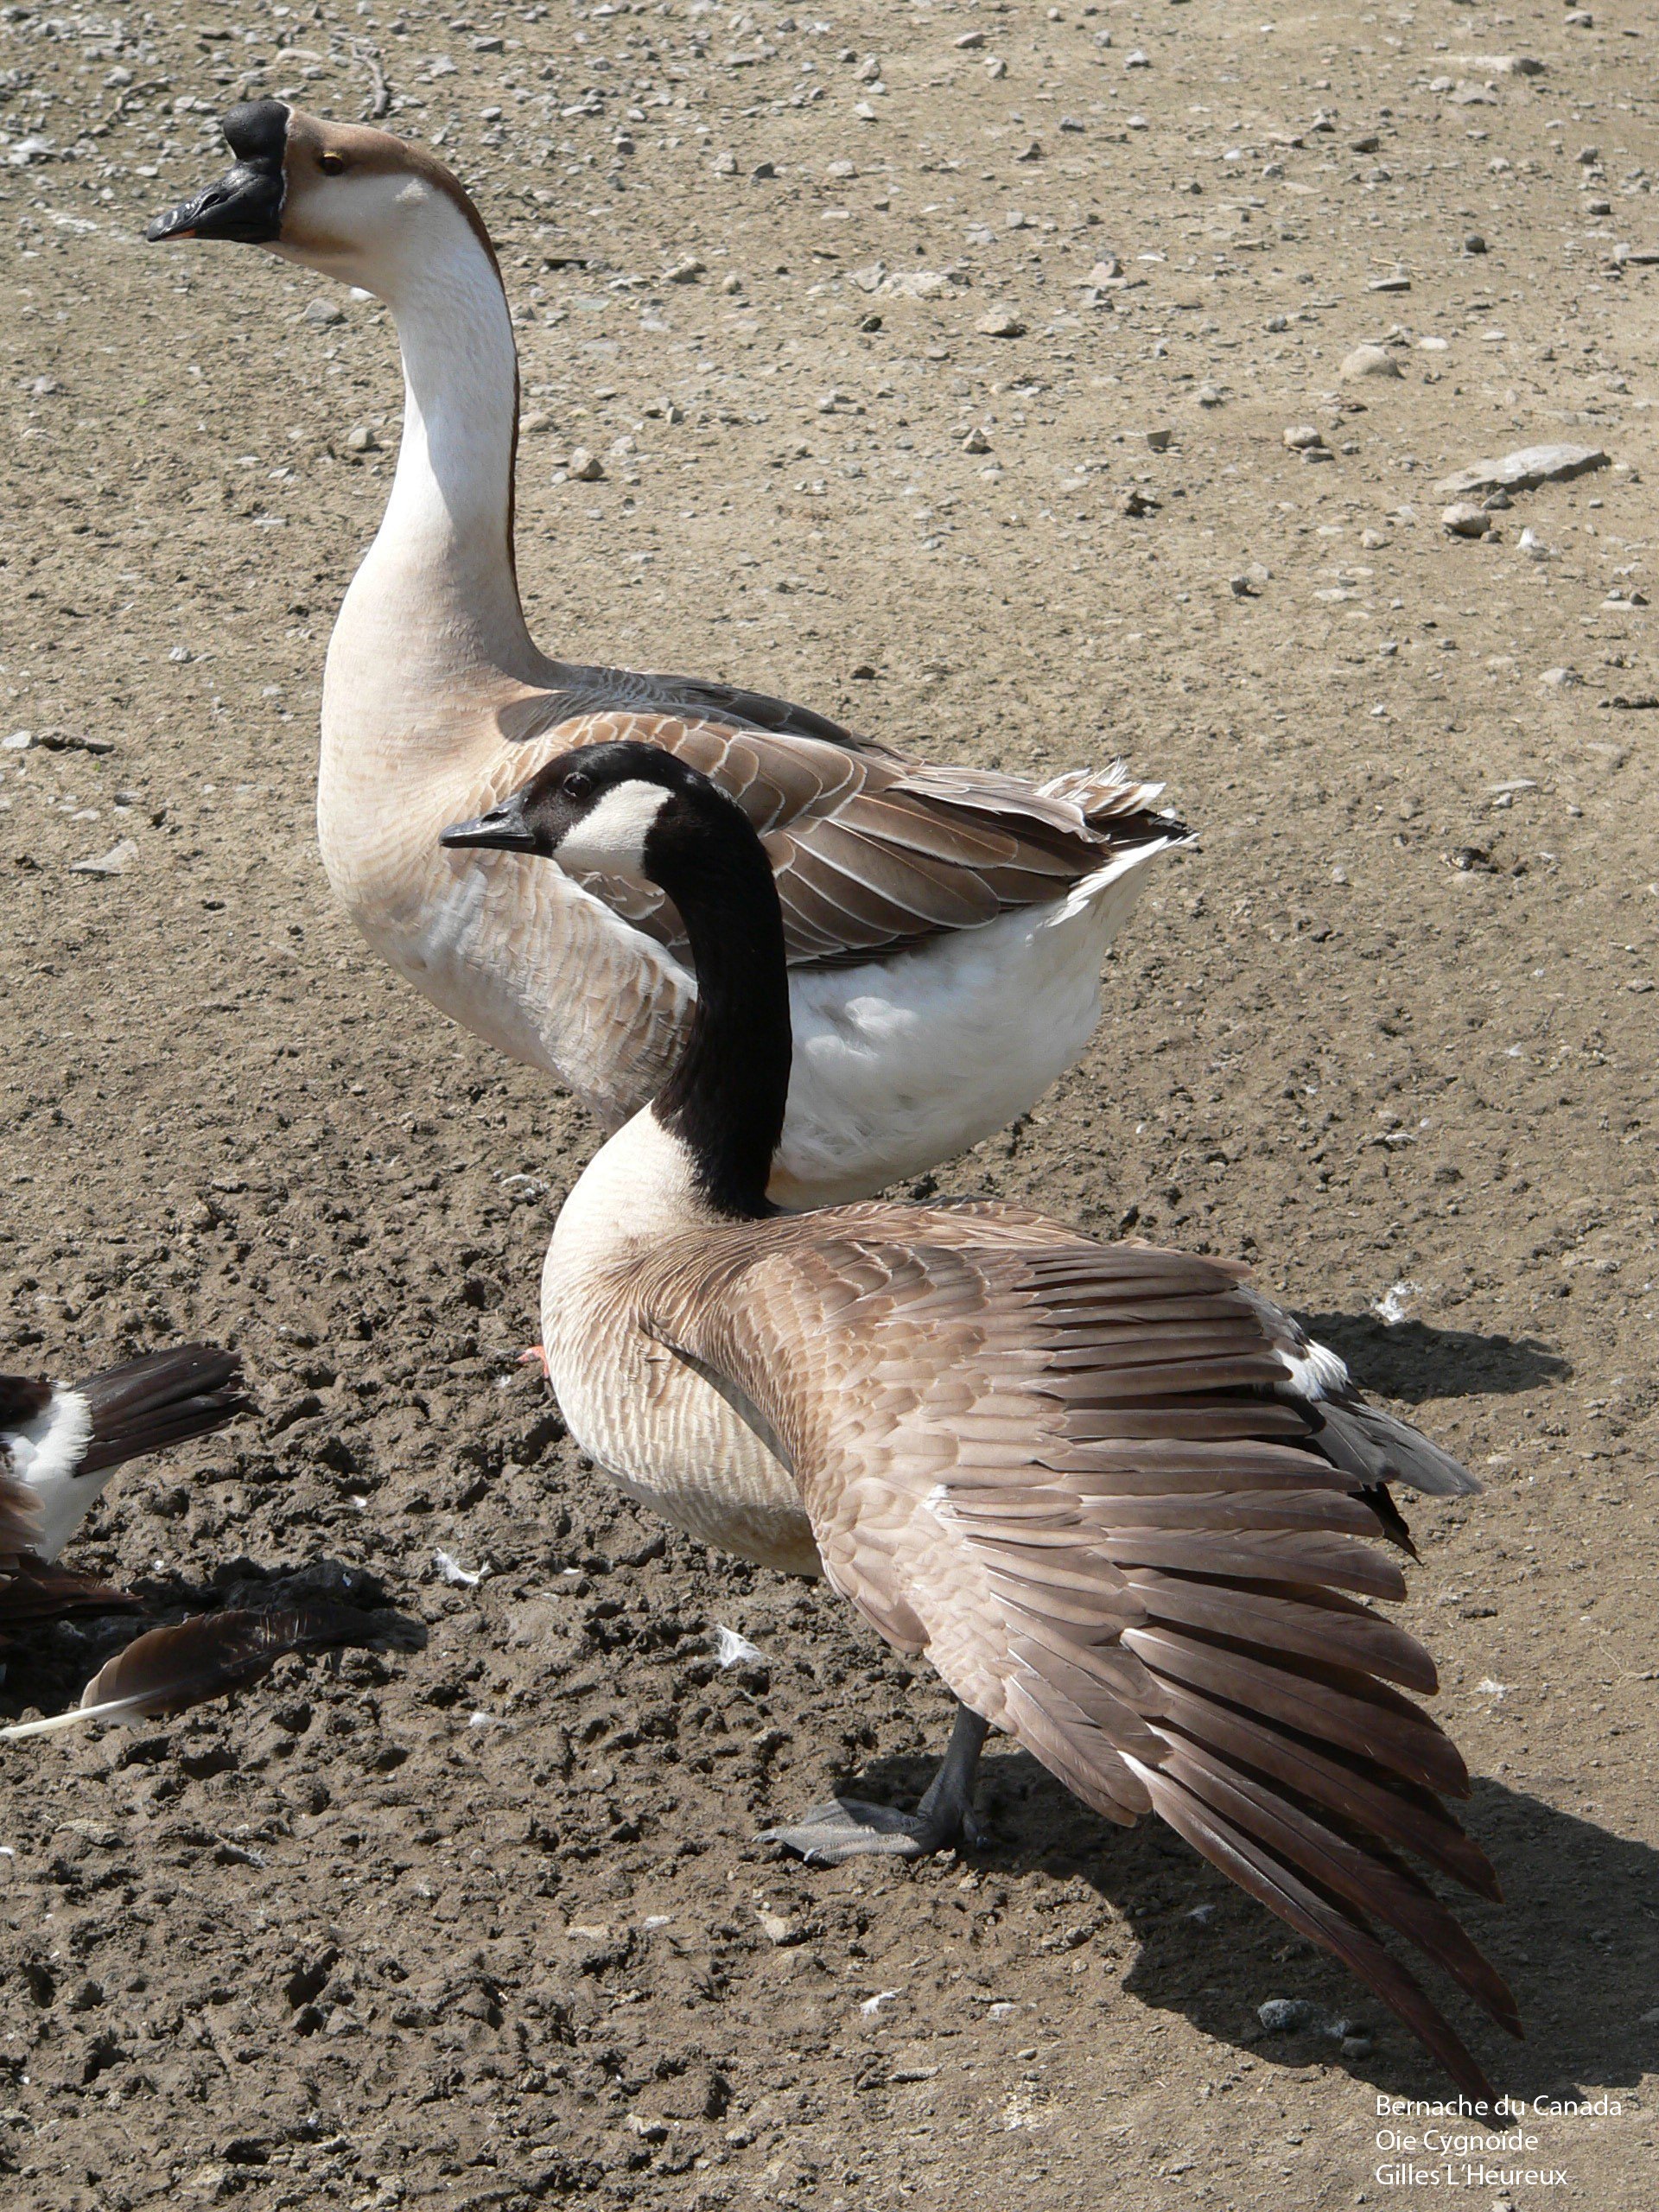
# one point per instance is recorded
(480, 1920)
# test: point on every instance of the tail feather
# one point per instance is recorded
(158, 1399)
(1312, 1914)
(33, 1590)
(167, 1670)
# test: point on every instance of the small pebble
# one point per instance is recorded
(1001, 322)
(324, 314)
(586, 467)
(1369, 361)
(1283, 2016)
(1463, 519)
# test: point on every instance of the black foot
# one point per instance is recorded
(846, 1827)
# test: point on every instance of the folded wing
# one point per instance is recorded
(870, 853)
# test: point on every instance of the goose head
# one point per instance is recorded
(623, 809)
(351, 203)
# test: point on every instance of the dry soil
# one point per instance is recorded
(483, 1923)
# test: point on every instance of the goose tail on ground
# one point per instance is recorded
(158, 1399)
(59, 1445)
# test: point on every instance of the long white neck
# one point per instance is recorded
(433, 611)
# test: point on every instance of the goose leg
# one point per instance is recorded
(846, 1827)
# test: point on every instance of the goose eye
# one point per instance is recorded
(331, 164)
(578, 784)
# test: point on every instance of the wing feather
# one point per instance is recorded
(1081, 1479)
(871, 855)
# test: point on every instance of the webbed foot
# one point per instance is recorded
(848, 1827)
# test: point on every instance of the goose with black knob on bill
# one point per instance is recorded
(944, 926)
(1117, 1498)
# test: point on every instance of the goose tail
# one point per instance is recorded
(157, 1399)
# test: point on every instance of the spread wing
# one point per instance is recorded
(870, 853)
(1085, 1480)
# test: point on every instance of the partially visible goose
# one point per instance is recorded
(945, 926)
(59, 1445)
(1116, 1496)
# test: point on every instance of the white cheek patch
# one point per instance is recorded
(611, 839)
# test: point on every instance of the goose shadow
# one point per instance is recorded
(1411, 1361)
(51, 1667)
(1577, 1937)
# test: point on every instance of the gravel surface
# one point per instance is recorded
(1018, 389)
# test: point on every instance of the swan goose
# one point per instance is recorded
(1116, 1496)
(59, 1446)
(945, 926)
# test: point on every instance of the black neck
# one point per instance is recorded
(725, 1099)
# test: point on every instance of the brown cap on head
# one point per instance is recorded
(278, 193)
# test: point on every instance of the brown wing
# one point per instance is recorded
(870, 853)
(1069, 1472)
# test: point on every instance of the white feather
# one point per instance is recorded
(610, 838)
(47, 1455)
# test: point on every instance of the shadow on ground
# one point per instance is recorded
(1577, 1938)
(1413, 1361)
(61, 1657)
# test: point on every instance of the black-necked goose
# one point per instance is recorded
(1116, 1498)
(945, 926)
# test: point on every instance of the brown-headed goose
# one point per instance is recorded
(1117, 1497)
(945, 926)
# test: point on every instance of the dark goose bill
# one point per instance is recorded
(504, 829)
(246, 205)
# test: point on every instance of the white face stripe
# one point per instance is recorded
(611, 840)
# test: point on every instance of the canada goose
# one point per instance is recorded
(1116, 1496)
(59, 1445)
(945, 926)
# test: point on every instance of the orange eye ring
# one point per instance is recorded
(331, 164)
